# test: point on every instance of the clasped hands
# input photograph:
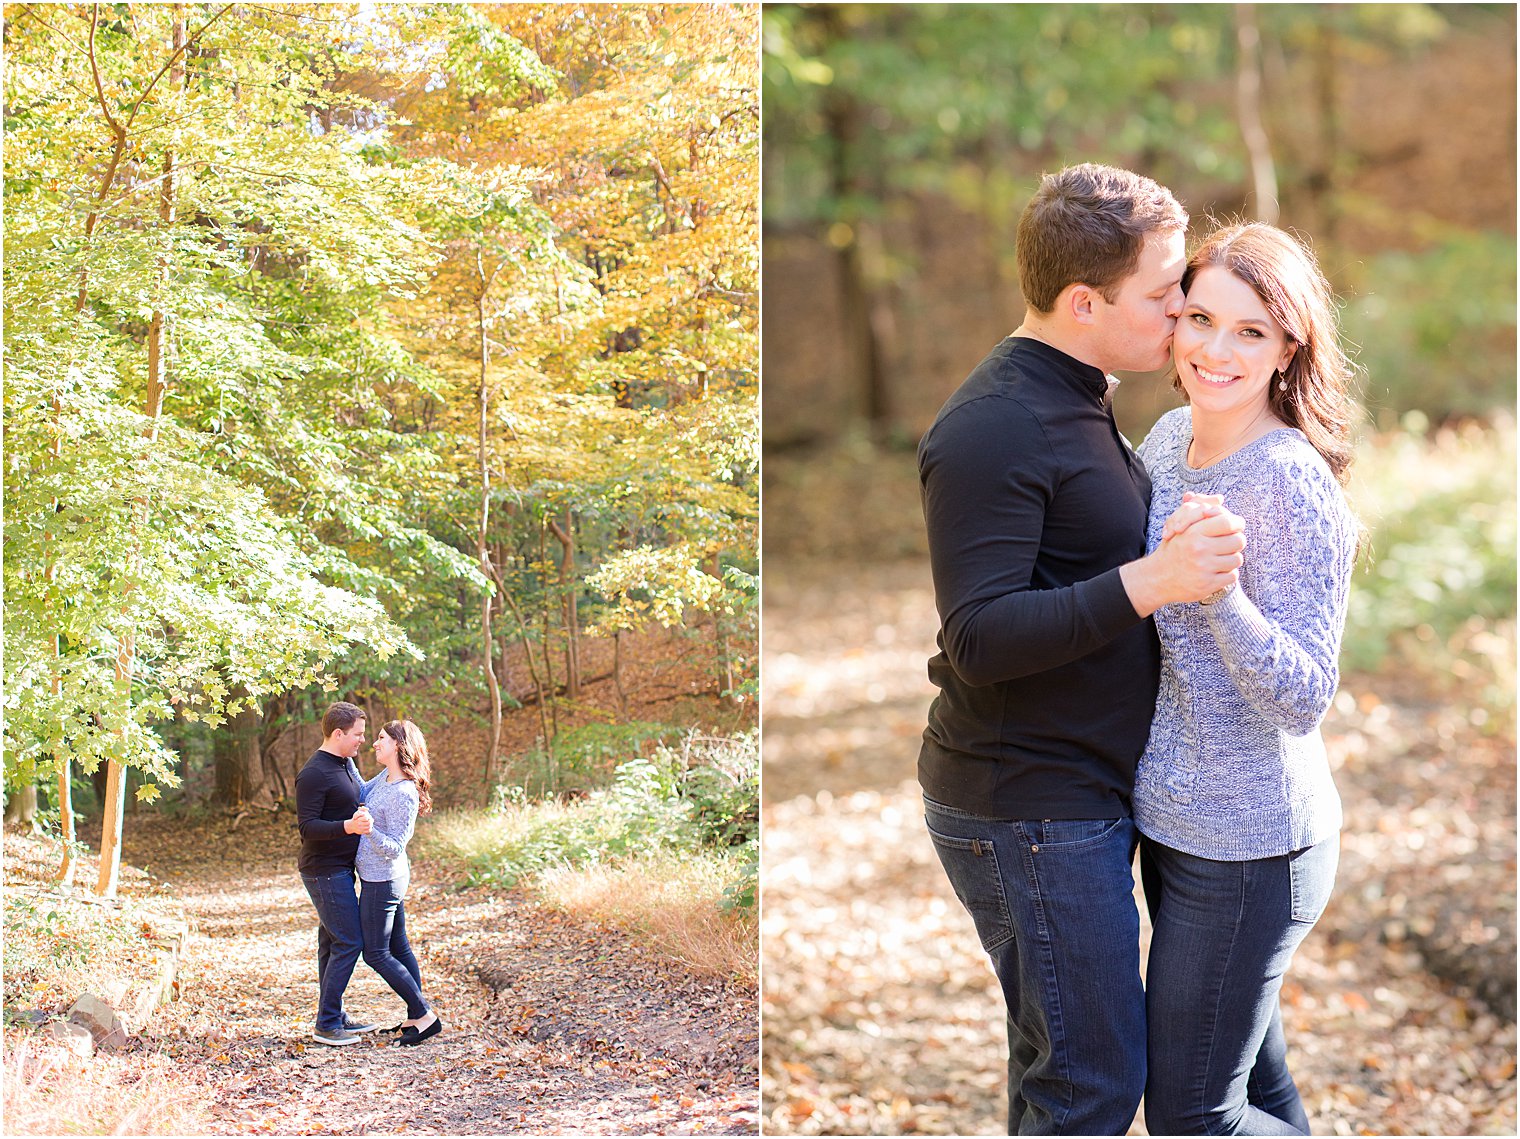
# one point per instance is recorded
(1200, 554)
(361, 822)
(1205, 543)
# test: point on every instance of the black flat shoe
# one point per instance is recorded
(395, 1029)
(411, 1036)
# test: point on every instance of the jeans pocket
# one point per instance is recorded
(1311, 876)
(1062, 834)
(972, 866)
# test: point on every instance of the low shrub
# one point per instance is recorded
(669, 850)
(57, 947)
(700, 795)
(586, 757)
(1405, 326)
(1435, 593)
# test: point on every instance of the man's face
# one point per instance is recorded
(347, 743)
(1135, 332)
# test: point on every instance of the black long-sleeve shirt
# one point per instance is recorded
(328, 792)
(1047, 675)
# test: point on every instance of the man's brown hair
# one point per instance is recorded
(340, 717)
(1086, 225)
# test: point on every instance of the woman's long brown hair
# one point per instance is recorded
(1287, 278)
(412, 752)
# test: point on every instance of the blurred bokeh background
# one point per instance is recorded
(901, 143)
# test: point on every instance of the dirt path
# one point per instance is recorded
(880, 1011)
(551, 1027)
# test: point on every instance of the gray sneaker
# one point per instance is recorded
(335, 1036)
(352, 1025)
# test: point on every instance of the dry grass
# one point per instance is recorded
(670, 901)
(50, 1091)
(477, 835)
(59, 945)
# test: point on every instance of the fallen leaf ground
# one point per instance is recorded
(880, 1012)
(551, 1027)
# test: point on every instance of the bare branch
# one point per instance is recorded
(30, 10)
(100, 91)
(179, 51)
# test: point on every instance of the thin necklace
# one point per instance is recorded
(1229, 447)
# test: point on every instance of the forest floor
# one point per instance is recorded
(880, 1012)
(551, 1025)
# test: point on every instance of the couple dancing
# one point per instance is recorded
(351, 828)
(1137, 649)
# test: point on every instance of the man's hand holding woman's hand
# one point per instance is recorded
(1194, 508)
(1200, 554)
(361, 823)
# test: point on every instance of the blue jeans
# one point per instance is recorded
(1053, 903)
(386, 950)
(339, 942)
(1224, 935)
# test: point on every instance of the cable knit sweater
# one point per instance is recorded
(382, 852)
(1235, 767)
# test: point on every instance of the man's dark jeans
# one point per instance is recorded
(382, 913)
(1053, 902)
(340, 940)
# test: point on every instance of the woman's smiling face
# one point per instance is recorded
(1227, 345)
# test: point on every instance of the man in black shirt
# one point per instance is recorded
(1048, 662)
(331, 815)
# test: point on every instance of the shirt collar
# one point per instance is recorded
(1084, 377)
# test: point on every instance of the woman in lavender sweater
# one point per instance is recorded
(394, 798)
(1233, 795)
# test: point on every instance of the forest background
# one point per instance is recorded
(405, 354)
(389, 355)
(900, 145)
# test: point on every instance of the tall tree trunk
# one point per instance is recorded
(845, 124)
(617, 673)
(543, 559)
(115, 807)
(118, 150)
(21, 808)
(482, 546)
(65, 874)
(1248, 102)
(720, 634)
(566, 537)
(238, 757)
(1326, 179)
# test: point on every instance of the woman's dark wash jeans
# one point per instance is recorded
(1053, 902)
(386, 949)
(1224, 935)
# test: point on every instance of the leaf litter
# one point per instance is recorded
(551, 1026)
(880, 1012)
